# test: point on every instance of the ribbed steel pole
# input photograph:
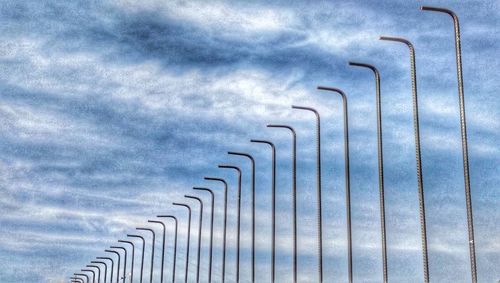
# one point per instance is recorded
(380, 164)
(416, 128)
(225, 225)
(175, 243)
(212, 201)
(105, 268)
(118, 264)
(294, 190)
(318, 188)
(200, 225)
(83, 275)
(162, 247)
(273, 196)
(133, 256)
(112, 266)
(463, 129)
(188, 239)
(252, 160)
(238, 220)
(93, 273)
(347, 176)
(143, 251)
(152, 250)
(124, 261)
(98, 271)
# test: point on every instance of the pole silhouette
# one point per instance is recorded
(417, 151)
(347, 176)
(93, 273)
(199, 235)
(77, 279)
(152, 250)
(83, 275)
(380, 165)
(318, 188)
(212, 201)
(238, 219)
(273, 192)
(112, 266)
(162, 247)
(124, 261)
(98, 271)
(105, 268)
(133, 256)
(463, 130)
(118, 264)
(175, 243)
(225, 225)
(294, 190)
(188, 237)
(143, 251)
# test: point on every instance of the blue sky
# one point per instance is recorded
(111, 110)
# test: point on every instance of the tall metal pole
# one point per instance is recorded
(273, 192)
(347, 176)
(93, 273)
(98, 271)
(83, 275)
(152, 250)
(253, 206)
(463, 130)
(175, 243)
(105, 268)
(133, 256)
(162, 247)
(294, 189)
(238, 220)
(112, 266)
(225, 225)
(199, 235)
(117, 266)
(124, 261)
(188, 237)
(77, 279)
(212, 201)
(143, 251)
(318, 188)
(380, 164)
(417, 151)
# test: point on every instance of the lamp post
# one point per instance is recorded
(225, 224)
(77, 279)
(124, 260)
(105, 268)
(417, 151)
(118, 264)
(175, 243)
(380, 164)
(252, 160)
(463, 130)
(93, 273)
(112, 266)
(347, 175)
(188, 237)
(143, 251)
(133, 256)
(162, 248)
(238, 219)
(318, 187)
(199, 235)
(273, 244)
(152, 250)
(83, 275)
(211, 230)
(294, 190)
(98, 271)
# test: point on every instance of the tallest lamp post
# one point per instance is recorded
(463, 129)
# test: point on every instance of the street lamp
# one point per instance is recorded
(380, 164)
(175, 243)
(133, 256)
(225, 224)
(124, 260)
(143, 251)
(117, 266)
(188, 237)
(417, 151)
(318, 188)
(273, 244)
(211, 230)
(93, 273)
(98, 271)
(294, 190)
(162, 248)
(252, 160)
(77, 279)
(83, 275)
(199, 235)
(463, 130)
(112, 266)
(152, 250)
(238, 219)
(105, 268)
(347, 175)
